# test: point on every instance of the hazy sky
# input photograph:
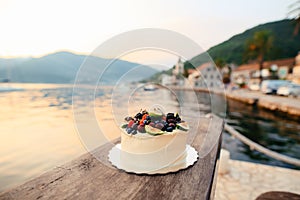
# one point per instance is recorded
(37, 27)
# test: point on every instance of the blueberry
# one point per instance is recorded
(170, 116)
(164, 122)
(169, 129)
(128, 130)
(165, 127)
(171, 120)
(139, 115)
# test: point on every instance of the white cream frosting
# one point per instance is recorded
(149, 153)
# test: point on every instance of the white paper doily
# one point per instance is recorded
(187, 161)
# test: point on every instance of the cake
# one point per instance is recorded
(152, 141)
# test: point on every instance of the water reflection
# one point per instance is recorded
(36, 132)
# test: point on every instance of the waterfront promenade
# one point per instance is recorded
(247, 181)
(287, 105)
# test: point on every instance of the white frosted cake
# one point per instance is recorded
(152, 141)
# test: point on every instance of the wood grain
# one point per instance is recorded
(88, 178)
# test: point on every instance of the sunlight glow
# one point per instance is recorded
(34, 28)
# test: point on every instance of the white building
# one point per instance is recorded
(167, 80)
(206, 76)
(179, 68)
(178, 72)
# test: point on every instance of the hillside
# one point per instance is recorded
(62, 67)
(232, 51)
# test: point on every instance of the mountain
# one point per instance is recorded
(62, 67)
(285, 44)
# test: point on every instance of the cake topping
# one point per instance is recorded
(154, 123)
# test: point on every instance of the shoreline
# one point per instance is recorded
(283, 105)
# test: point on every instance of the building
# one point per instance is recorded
(179, 68)
(296, 70)
(178, 72)
(250, 73)
(205, 76)
(177, 76)
(167, 80)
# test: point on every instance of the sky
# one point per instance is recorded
(38, 27)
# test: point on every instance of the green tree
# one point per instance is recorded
(294, 12)
(259, 46)
(220, 62)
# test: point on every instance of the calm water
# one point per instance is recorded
(37, 129)
(270, 129)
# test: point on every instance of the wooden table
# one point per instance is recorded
(87, 178)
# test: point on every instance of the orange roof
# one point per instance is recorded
(190, 71)
(267, 64)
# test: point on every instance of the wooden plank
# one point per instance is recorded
(87, 178)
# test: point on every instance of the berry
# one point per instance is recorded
(152, 124)
(137, 124)
(171, 120)
(129, 130)
(131, 122)
(172, 125)
(141, 128)
(169, 129)
(165, 127)
(139, 115)
(142, 119)
(145, 117)
(170, 116)
(159, 126)
(134, 126)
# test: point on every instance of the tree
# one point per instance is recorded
(294, 12)
(185, 73)
(258, 47)
(219, 62)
